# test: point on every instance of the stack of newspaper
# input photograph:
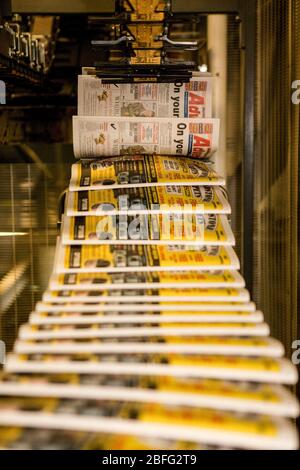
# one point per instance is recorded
(146, 337)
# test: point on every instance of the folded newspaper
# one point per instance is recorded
(125, 307)
(148, 295)
(160, 344)
(212, 427)
(30, 438)
(151, 330)
(114, 319)
(142, 171)
(138, 258)
(59, 331)
(148, 200)
(146, 280)
(253, 369)
(274, 400)
(95, 137)
(162, 229)
(169, 100)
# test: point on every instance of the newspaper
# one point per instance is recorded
(115, 319)
(95, 137)
(146, 420)
(139, 258)
(146, 280)
(148, 295)
(160, 344)
(142, 171)
(147, 307)
(30, 438)
(253, 369)
(144, 229)
(148, 200)
(176, 100)
(132, 331)
(273, 400)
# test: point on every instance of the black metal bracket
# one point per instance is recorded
(127, 73)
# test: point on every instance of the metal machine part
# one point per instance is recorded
(27, 48)
(140, 44)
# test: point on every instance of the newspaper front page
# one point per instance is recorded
(95, 137)
(176, 100)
